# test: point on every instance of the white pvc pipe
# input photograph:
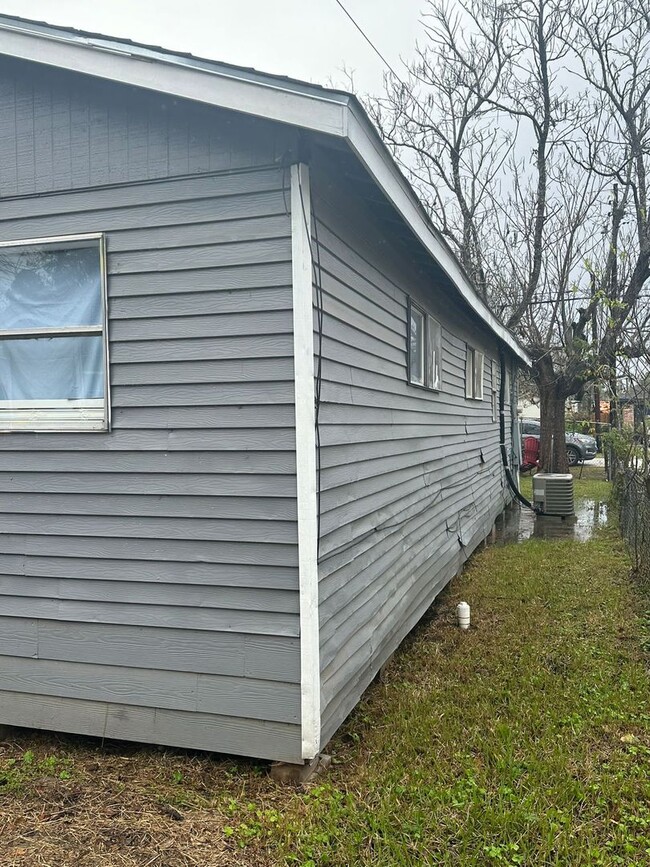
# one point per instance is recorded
(462, 611)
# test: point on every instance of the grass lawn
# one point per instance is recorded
(524, 741)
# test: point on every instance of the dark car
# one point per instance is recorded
(579, 447)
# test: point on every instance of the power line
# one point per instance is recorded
(426, 114)
(369, 41)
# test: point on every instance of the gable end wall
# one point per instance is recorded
(149, 576)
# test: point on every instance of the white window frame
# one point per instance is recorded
(474, 373)
(495, 390)
(431, 349)
(415, 309)
(434, 354)
(58, 416)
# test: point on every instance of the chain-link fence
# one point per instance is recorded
(633, 497)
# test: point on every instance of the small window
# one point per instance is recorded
(53, 351)
(434, 353)
(424, 349)
(417, 344)
(495, 390)
(474, 365)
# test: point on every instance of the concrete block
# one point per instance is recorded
(298, 775)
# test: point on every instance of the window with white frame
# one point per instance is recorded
(53, 347)
(434, 353)
(495, 390)
(474, 367)
(424, 348)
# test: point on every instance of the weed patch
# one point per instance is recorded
(28, 769)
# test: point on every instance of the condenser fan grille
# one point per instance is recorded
(553, 493)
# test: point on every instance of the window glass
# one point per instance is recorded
(53, 355)
(41, 288)
(434, 352)
(478, 374)
(469, 371)
(416, 346)
(57, 368)
(474, 372)
(424, 348)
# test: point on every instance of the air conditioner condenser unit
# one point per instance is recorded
(553, 493)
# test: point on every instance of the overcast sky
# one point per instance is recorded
(307, 39)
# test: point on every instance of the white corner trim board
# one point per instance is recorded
(303, 344)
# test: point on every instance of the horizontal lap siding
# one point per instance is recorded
(71, 132)
(148, 576)
(410, 480)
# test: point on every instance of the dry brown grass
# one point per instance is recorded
(73, 802)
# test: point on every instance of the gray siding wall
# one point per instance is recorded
(62, 131)
(148, 576)
(411, 480)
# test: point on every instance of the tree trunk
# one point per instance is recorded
(552, 399)
(553, 455)
(614, 420)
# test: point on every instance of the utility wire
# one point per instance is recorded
(426, 113)
(369, 41)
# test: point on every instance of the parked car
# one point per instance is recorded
(579, 447)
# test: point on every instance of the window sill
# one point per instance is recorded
(62, 416)
(430, 388)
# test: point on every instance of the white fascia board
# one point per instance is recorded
(322, 112)
(371, 151)
(306, 479)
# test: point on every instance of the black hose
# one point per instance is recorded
(504, 452)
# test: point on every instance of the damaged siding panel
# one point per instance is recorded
(189, 729)
(410, 478)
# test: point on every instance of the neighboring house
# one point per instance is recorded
(528, 408)
(250, 400)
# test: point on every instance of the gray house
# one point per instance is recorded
(249, 400)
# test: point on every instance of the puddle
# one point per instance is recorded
(518, 524)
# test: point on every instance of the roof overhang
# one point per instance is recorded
(275, 98)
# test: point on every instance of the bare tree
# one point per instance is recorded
(518, 166)
(613, 47)
(441, 126)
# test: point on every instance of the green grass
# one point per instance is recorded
(19, 773)
(525, 741)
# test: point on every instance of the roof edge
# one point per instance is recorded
(276, 98)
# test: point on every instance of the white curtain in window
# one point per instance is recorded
(52, 368)
(50, 289)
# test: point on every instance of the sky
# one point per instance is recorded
(307, 39)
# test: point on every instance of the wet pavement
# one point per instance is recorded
(517, 523)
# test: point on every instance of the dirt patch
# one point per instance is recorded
(73, 802)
